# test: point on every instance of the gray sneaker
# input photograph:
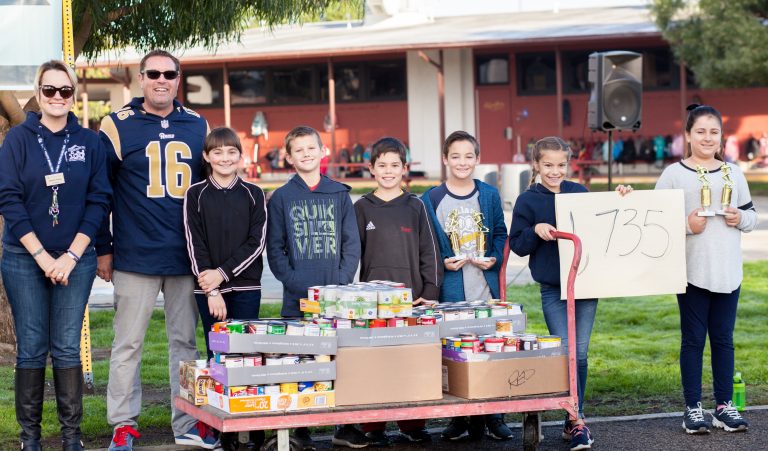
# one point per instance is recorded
(694, 421)
(729, 419)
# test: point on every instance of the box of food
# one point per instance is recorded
(279, 344)
(194, 380)
(282, 402)
(480, 326)
(387, 336)
(268, 374)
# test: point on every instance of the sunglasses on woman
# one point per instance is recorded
(155, 74)
(65, 91)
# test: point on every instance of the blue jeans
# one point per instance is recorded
(240, 305)
(48, 317)
(703, 312)
(557, 322)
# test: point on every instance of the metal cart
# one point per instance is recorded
(448, 406)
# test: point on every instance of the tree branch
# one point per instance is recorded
(13, 110)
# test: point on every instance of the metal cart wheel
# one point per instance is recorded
(271, 445)
(531, 431)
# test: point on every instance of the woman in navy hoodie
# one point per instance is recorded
(54, 194)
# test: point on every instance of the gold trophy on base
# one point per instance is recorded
(725, 198)
(452, 229)
(706, 192)
(481, 241)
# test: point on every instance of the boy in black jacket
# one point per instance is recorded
(398, 244)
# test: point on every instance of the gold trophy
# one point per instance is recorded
(706, 192)
(452, 229)
(480, 238)
(725, 198)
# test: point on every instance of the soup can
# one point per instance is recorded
(549, 341)
(236, 327)
(276, 328)
(493, 344)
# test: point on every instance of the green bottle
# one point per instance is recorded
(739, 392)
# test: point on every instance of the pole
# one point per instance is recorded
(440, 98)
(332, 112)
(559, 90)
(610, 159)
(227, 98)
(85, 333)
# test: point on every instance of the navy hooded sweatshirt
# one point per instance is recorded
(24, 197)
(534, 206)
(312, 238)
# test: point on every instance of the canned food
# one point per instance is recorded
(515, 309)
(235, 327)
(237, 391)
(250, 360)
(311, 330)
(375, 323)
(220, 326)
(234, 361)
(273, 359)
(218, 387)
(276, 328)
(289, 388)
(528, 342)
(467, 313)
(343, 323)
(259, 327)
(471, 343)
(395, 322)
(482, 312)
(306, 387)
(360, 324)
(512, 342)
(323, 385)
(451, 314)
(294, 328)
(498, 310)
(290, 359)
(322, 358)
(254, 390)
(503, 327)
(549, 341)
(327, 332)
(427, 320)
(324, 323)
(493, 344)
(467, 347)
(313, 293)
(273, 389)
(307, 359)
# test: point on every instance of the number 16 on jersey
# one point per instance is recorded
(631, 246)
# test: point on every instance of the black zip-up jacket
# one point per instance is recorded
(225, 228)
(398, 244)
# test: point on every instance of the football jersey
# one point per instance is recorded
(152, 162)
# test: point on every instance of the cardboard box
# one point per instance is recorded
(480, 326)
(277, 374)
(388, 374)
(279, 344)
(271, 403)
(387, 336)
(194, 382)
(504, 378)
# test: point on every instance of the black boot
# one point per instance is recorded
(69, 404)
(30, 387)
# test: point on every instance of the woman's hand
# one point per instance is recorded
(484, 265)
(217, 307)
(544, 231)
(454, 263)
(59, 271)
(209, 279)
(732, 216)
(623, 190)
(697, 223)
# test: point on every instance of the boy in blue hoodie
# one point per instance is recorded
(312, 236)
(460, 210)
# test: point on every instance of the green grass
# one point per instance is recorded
(633, 360)
(755, 188)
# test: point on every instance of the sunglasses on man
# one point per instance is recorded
(155, 74)
(65, 91)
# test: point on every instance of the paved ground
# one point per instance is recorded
(635, 433)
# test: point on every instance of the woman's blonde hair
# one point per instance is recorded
(55, 65)
(548, 143)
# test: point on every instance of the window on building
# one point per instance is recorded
(659, 69)
(348, 79)
(492, 69)
(386, 80)
(248, 87)
(575, 72)
(293, 85)
(535, 73)
(204, 88)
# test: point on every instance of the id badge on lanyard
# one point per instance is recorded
(55, 178)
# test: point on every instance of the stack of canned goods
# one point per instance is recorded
(455, 311)
(363, 300)
(275, 327)
(265, 359)
(504, 340)
(273, 389)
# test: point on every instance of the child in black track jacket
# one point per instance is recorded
(225, 220)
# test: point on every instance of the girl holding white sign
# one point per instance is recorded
(531, 234)
(714, 269)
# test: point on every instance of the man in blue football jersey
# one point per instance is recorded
(155, 152)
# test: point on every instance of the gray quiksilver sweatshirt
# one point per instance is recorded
(713, 257)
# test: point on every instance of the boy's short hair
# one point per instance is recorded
(460, 135)
(387, 145)
(301, 130)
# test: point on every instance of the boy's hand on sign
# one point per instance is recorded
(697, 223)
(543, 230)
(623, 190)
(732, 216)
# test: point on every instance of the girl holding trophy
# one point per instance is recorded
(714, 265)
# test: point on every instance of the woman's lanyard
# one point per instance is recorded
(55, 178)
